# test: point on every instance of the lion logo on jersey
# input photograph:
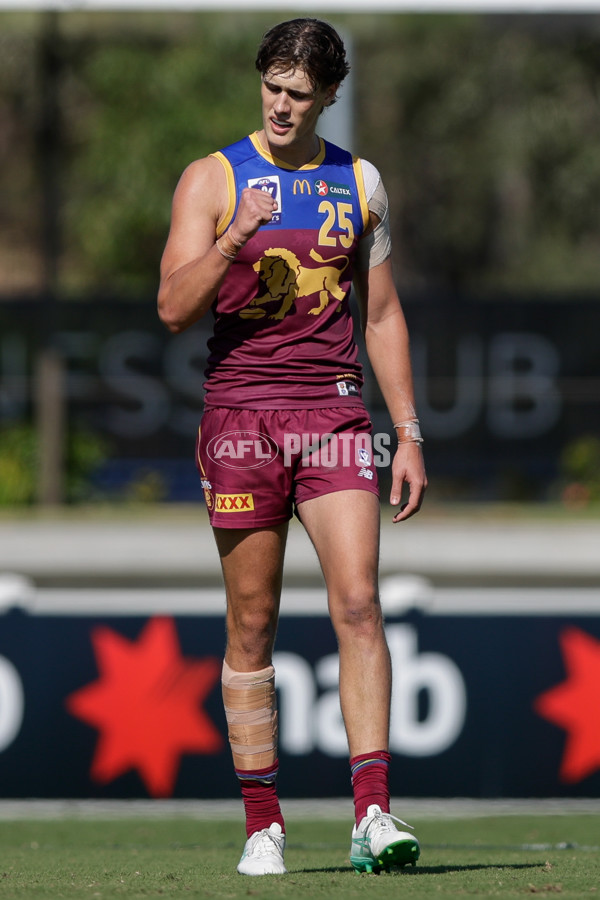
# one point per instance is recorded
(286, 280)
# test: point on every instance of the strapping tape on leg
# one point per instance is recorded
(251, 712)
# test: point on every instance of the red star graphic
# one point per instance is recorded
(147, 706)
(574, 705)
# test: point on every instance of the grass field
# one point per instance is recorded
(504, 856)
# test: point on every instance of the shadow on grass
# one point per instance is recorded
(421, 870)
(472, 867)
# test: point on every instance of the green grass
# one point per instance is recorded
(507, 856)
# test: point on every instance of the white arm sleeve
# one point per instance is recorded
(374, 248)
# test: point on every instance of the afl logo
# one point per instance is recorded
(269, 186)
(321, 188)
(242, 450)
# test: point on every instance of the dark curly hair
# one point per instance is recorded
(308, 44)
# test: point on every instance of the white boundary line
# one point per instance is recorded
(399, 595)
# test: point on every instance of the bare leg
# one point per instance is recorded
(252, 562)
(344, 528)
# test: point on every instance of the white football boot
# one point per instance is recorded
(263, 853)
(377, 844)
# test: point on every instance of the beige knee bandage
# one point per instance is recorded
(251, 712)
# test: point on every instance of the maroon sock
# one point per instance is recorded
(370, 781)
(259, 793)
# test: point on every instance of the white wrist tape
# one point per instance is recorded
(408, 432)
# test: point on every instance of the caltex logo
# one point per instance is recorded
(321, 188)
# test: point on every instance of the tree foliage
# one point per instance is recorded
(487, 134)
(147, 108)
(485, 129)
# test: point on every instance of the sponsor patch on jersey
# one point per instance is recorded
(347, 389)
(234, 502)
(301, 185)
(272, 186)
(323, 188)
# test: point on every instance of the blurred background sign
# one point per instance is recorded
(485, 704)
(507, 392)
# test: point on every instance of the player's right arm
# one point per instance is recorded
(192, 267)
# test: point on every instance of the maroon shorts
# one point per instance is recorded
(257, 465)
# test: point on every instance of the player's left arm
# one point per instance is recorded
(387, 343)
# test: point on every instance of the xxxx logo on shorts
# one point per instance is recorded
(234, 502)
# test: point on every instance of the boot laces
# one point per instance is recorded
(265, 844)
(382, 823)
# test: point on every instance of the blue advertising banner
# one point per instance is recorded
(127, 706)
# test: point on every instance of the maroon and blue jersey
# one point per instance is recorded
(283, 335)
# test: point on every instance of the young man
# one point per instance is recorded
(268, 234)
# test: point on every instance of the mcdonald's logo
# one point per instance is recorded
(300, 185)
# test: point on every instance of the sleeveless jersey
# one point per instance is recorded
(283, 334)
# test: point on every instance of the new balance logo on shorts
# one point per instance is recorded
(234, 502)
